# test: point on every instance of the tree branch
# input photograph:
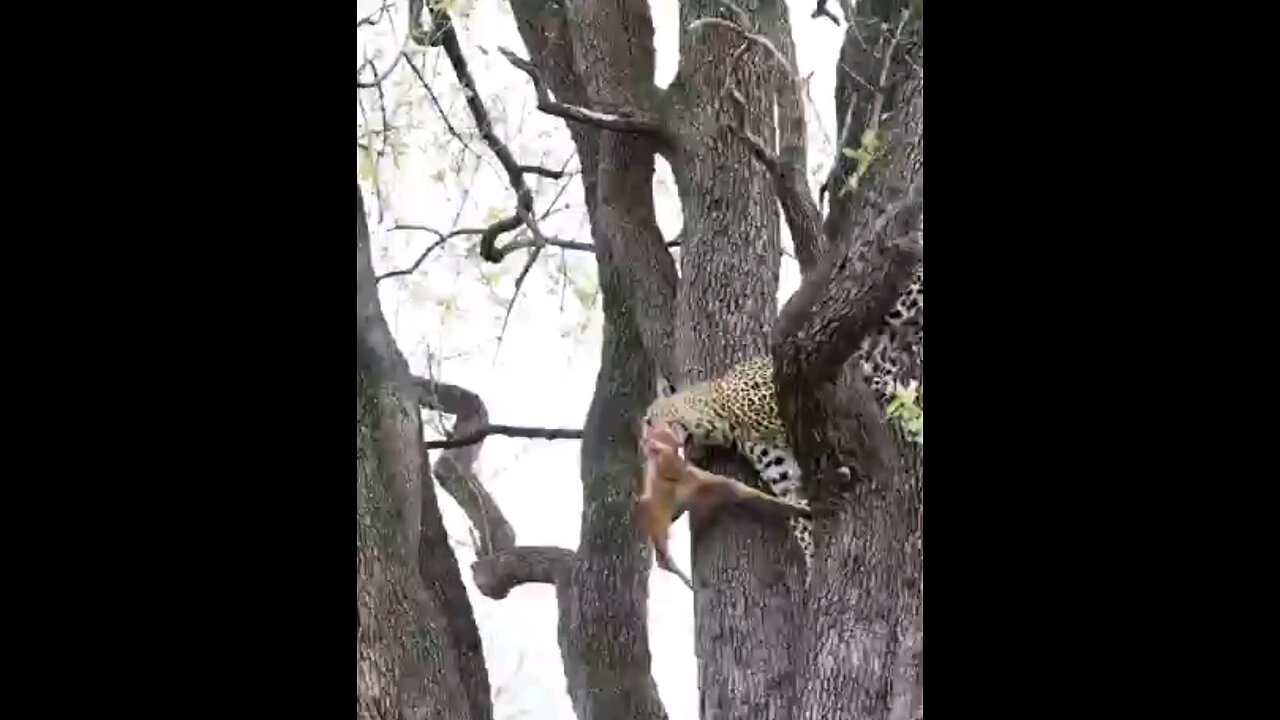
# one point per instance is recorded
(475, 436)
(497, 575)
(445, 36)
(627, 120)
(804, 220)
(790, 186)
(379, 78)
(822, 11)
(825, 320)
(544, 172)
(440, 240)
(455, 469)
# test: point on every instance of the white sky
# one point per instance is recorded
(544, 371)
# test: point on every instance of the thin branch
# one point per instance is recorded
(524, 243)
(495, 576)
(378, 78)
(539, 242)
(447, 38)
(520, 431)
(370, 19)
(440, 108)
(627, 120)
(544, 172)
(416, 263)
(441, 238)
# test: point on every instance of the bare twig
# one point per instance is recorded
(371, 19)
(416, 263)
(520, 431)
(539, 242)
(441, 238)
(849, 71)
(379, 77)
(628, 120)
(439, 108)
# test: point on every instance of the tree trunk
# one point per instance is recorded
(853, 646)
(602, 588)
(748, 574)
(417, 648)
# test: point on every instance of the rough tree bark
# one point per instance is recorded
(864, 636)
(852, 646)
(417, 648)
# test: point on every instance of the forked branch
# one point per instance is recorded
(444, 35)
(825, 320)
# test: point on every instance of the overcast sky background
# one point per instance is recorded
(447, 316)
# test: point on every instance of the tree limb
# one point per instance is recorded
(497, 575)
(824, 321)
(804, 220)
(475, 436)
(446, 37)
(787, 173)
(455, 468)
(822, 11)
(626, 120)
(544, 172)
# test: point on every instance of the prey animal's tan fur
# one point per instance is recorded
(672, 483)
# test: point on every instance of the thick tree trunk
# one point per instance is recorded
(604, 625)
(748, 572)
(417, 649)
(602, 589)
(864, 631)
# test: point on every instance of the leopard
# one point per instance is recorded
(738, 409)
